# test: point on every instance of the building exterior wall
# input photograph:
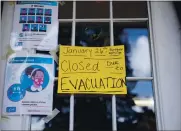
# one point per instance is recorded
(167, 42)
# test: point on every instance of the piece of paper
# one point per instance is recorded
(35, 25)
(29, 84)
(92, 70)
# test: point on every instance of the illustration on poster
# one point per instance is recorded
(23, 11)
(37, 76)
(31, 11)
(16, 93)
(48, 12)
(42, 28)
(26, 27)
(39, 19)
(39, 12)
(34, 27)
(33, 79)
(47, 20)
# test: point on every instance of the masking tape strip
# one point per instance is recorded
(50, 117)
(8, 53)
(53, 53)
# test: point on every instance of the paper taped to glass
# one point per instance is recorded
(92, 70)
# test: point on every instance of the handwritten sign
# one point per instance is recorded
(92, 70)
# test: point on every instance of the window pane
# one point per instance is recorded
(92, 34)
(92, 9)
(135, 111)
(135, 38)
(65, 33)
(93, 113)
(64, 38)
(65, 10)
(61, 121)
(129, 9)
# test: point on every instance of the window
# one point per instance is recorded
(112, 23)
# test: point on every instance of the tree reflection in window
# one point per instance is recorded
(92, 34)
(135, 111)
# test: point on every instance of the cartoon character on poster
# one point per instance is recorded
(35, 78)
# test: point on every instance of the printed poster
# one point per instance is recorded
(92, 70)
(28, 85)
(35, 25)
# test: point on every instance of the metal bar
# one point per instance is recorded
(138, 78)
(93, 20)
(114, 121)
(106, 20)
(65, 20)
(157, 94)
(71, 117)
(130, 19)
(130, 78)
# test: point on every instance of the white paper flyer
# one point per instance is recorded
(29, 84)
(35, 25)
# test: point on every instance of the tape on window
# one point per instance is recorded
(53, 53)
(50, 117)
(7, 53)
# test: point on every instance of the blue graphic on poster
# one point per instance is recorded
(34, 27)
(16, 93)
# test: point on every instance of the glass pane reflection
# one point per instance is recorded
(65, 33)
(92, 34)
(93, 113)
(135, 111)
(92, 9)
(137, 52)
(130, 9)
(65, 10)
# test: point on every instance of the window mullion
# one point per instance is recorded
(114, 121)
(71, 117)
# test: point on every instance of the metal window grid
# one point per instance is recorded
(110, 20)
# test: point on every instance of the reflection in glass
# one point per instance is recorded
(59, 122)
(135, 111)
(92, 113)
(65, 33)
(64, 38)
(92, 9)
(137, 50)
(65, 9)
(130, 9)
(92, 34)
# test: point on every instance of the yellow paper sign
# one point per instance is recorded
(92, 70)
